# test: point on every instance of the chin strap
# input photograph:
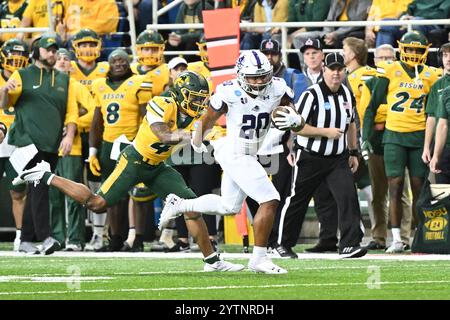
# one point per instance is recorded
(417, 79)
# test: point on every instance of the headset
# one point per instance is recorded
(35, 49)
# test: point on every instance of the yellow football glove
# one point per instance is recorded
(94, 165)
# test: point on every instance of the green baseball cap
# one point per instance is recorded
(47, 41)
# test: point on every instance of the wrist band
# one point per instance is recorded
(92, 152)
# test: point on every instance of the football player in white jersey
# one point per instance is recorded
(247, 103)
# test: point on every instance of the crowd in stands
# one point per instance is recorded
(89, 31)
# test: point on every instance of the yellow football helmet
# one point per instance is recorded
(14, 55)
(90, 51)
(203, 50)
(413, 48)
(154, 41)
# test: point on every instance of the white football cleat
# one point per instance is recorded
(265, 265)
(396, 247)
(169, 211)
(34, 174)
(223, 266)
(95, 244)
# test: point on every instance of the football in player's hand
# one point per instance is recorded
(285, 118)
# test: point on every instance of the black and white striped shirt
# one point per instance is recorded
(322, 108)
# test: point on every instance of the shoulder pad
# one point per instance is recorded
(229, 91)
(280, 88)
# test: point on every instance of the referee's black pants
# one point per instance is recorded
(309, 172)
(36, 216)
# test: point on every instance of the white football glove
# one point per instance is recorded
(288, 120)
(202, 148)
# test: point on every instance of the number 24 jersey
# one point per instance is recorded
(406, 97)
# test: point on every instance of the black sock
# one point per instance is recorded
(212, 258)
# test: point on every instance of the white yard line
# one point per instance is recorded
(52, 279)
(197, 255)
(287, 285)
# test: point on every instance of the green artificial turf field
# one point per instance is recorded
(179, 276)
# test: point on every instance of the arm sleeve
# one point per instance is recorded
(216, 102)
(156, 113)
(432, 102)
(72, 107)
(379, 92)
(444, 106)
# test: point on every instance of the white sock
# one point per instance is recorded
(167, 237)
(131, 236)
(18, 233)
(369, 197)
(259, 252)
(207, 204)
(99, 223)
(396, 235)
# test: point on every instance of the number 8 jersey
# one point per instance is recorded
(406, 95)
(248, 118)
(120, 106)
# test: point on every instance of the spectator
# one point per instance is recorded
(143, 13)
(312, 57)
(379, 220)
(101, 16)
(36, 15)
(44, 100)
(14, 55)
(11, 12)
(306, 11)
(340, 10)
(416, 10)
(176, 66)
(437, 106)
(404, 86)
(189, 12)
(382, 10)
(265, 11)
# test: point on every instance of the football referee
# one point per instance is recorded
(326, 151)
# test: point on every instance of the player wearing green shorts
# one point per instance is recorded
(168, 122)
(405, 85)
